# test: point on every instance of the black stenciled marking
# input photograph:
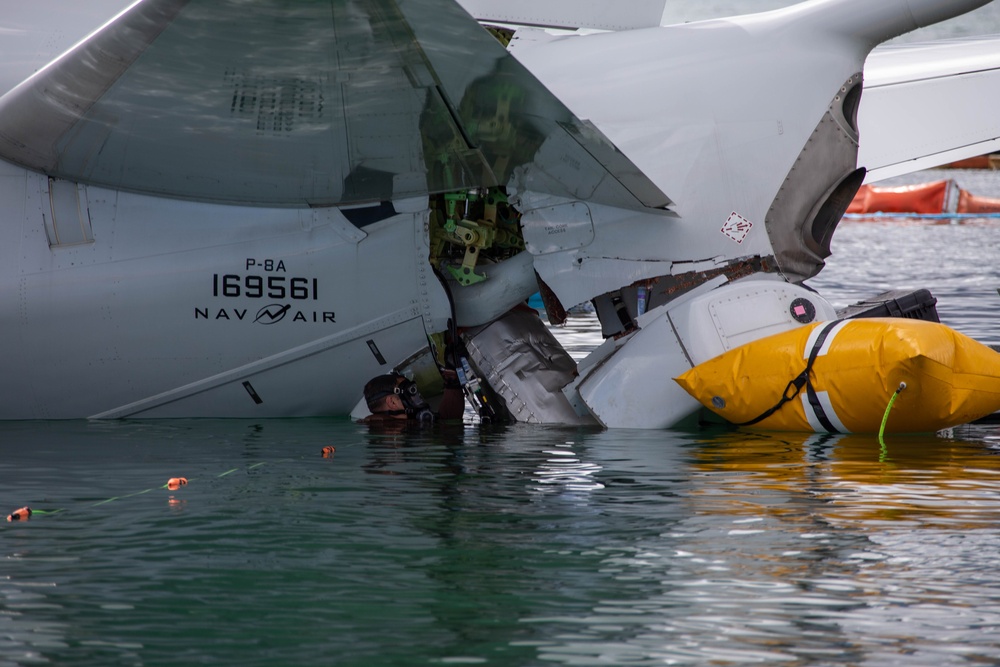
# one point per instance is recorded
(375, 351)
(253, 393)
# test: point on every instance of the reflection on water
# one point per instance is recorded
(499, 546)
(910, 481)
(809, 549)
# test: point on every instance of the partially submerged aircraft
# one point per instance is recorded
(231, 209)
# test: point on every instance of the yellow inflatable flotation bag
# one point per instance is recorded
(839, 377)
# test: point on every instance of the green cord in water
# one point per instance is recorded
(885, 417)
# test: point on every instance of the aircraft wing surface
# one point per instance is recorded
(929, 104)
(305, 104)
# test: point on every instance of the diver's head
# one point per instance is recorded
(396, 397)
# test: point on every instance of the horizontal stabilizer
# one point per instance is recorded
(925, 105)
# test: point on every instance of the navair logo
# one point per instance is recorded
(272, 314)
(737, 227)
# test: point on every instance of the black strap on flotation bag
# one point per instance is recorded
(793, 388)
(818, 410)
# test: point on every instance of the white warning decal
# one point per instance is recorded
(737, 227)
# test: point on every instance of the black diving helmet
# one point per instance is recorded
(414, 404)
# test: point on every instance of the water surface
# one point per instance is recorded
(506, 546)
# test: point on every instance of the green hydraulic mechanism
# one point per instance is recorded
(472, 224)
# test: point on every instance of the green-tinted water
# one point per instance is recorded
(514, 546)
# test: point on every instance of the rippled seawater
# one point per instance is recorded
(507, 546)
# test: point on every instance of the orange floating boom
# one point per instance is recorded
(935, 197)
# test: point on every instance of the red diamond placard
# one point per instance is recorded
(737, 227)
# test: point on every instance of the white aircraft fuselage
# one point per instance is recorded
(121, 304)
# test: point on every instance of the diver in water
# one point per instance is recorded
(393, 397)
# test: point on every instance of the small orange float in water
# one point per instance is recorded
(329, 451)
(175, 483)
(20, 514)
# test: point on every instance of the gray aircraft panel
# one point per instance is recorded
(304, 104)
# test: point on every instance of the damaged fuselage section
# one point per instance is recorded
(757, 190)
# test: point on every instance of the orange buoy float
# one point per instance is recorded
(970, 203)
(175, 483)
(840, 376)
(22, 514)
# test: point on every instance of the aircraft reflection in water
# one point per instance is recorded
(222, 209)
